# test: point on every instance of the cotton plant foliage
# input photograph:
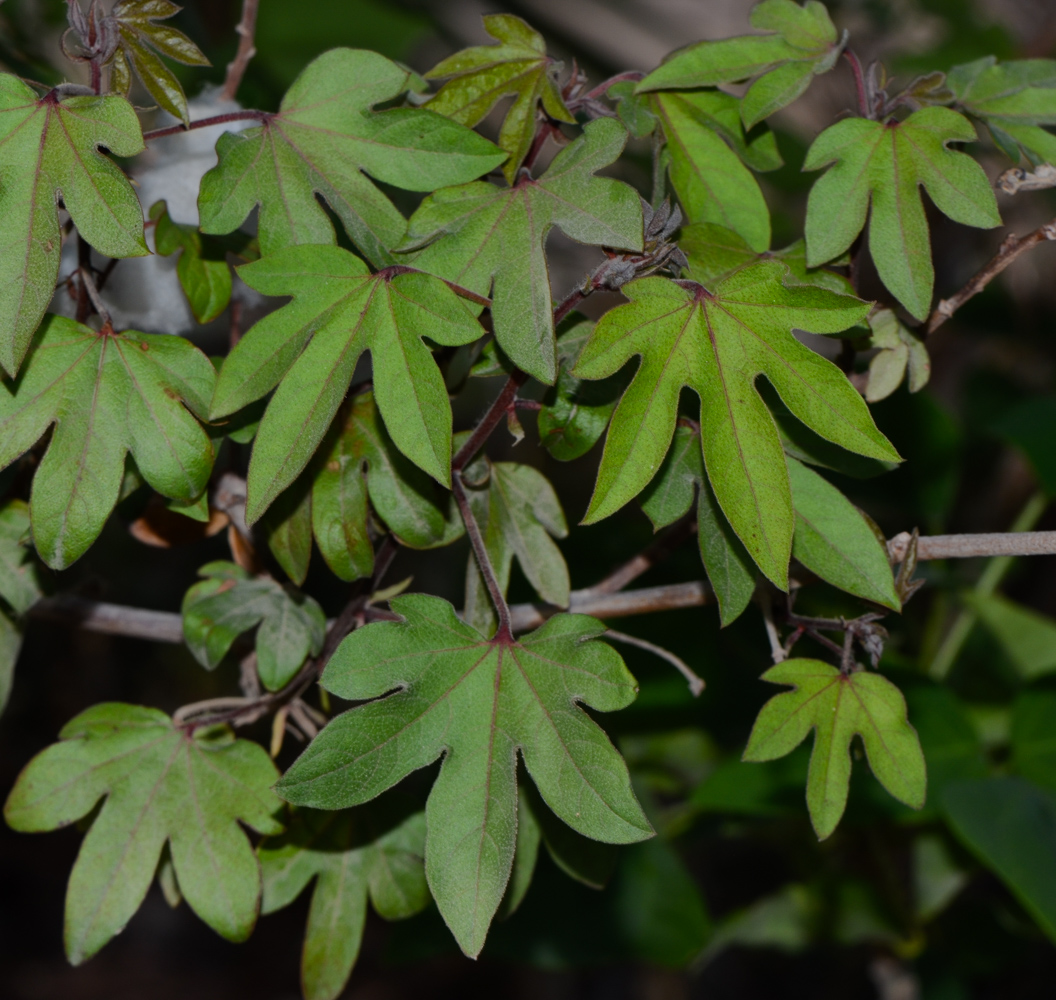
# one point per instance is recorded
(387, 353)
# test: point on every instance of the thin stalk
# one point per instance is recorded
(859, 84)
(696, 683)
(487, 571)
(996, 570)
(230, 116)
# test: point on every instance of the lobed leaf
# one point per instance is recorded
(442, 689)
(161, 785)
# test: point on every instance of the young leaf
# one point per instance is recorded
(229, 602)
(202, 269)
(450, 692)
(838, 707)
(478, 234)
(885, 164)
(575, 413)
(20, 583)
(162, 785)
(311, 346)
(350, 855)
(47, 148)
(833, 540)
(140, 40)
(670, 495)
(714, 253)
(517, 512)
(322, 140)
(707, 144)
(107, 394)
(900, 350)
(803, 44)
(717, 343)
(517, 67)
(1014, 99)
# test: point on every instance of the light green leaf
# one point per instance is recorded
(901, 349)
(352, 855)
(229, 602)
(478, 235)
(203, 271)
(885, 164)
(517, 512)
(161, 785)
(311, 346)
(838, 707)
(803, 44)
(517, 67)
(48, 148)
(20, 578)
(834, 540)
(670, 495)
(105, 394)
(450, 692)
(707, 144)
(1027, 637)
(717, 343)
(322, 140)
(1009, 824)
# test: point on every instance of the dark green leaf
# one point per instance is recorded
(20, 583)
(287, 528)
(1031, 426)
(1027, 637)
(1034, 737)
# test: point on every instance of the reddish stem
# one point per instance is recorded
(231, 116)
(859, 83)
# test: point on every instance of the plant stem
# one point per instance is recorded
(657, 551)
(236, 69)
(859, 83)
(480, 551)
(488, 423)
(1012, 247)
(986, 585)
(230, 116)
(696, 683)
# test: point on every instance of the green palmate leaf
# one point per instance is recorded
(50, 148)
(517, 67)
(517, 512)
(320, 143)
(140, 41)
(901, 350)
(803, 44)
(1014, 99)
(161, 785)
(717, 343)
(838, 707)
(106, 395)
(229, 602)
(477, 703)
(885, 164)
(715, 253)
(670, 495)
(1009, 824)
(707, 144)
(351, 856)
(575, 413)
(479, 235)
(1027, 637)
(835, 541)
(203, 270)
(312, 345)
(20, 582)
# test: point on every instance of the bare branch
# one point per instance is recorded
(997, 543)
(696, 683)
(659, 550)
(1012, 247)
(236, 69)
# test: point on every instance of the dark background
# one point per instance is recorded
(568, 942)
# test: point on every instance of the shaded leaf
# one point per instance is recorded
(885, 164)
(20, 578)
(351, 856)
(50, 148)
(311, 346)
(10, 647)
(517, 67)
(717, 343)
(1027, 637)
(229, 601)
(162, 785)
(322, 141)
(287, 528)
(479, 235)
(105, 395)
(518, 514)
(452, 693)
(834, 540)
(1031, 427)
(901, 350)
(838, 707)
(1033, 737)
